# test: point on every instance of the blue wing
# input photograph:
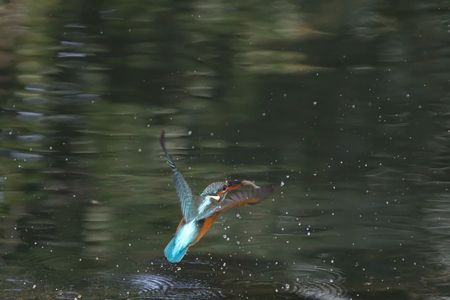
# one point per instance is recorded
(183, 190)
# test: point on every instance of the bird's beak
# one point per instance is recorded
(235, 184)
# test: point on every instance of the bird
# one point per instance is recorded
(200, 212)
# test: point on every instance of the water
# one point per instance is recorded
(342, 105)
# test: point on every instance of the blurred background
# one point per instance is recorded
(344, 106)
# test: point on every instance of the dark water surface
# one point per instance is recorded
(343, 105)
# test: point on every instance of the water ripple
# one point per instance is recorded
(319, 290)
(154, 286)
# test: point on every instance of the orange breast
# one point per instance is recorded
(207, 223)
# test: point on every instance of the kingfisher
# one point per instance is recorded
(200, 212)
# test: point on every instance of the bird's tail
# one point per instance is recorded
(174, 254)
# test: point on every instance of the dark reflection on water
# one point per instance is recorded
(343, 105)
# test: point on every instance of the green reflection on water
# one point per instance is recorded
(342, 104)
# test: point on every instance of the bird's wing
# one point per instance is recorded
(184, 192)
(238, 198)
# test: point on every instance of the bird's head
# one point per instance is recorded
(218, 190)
